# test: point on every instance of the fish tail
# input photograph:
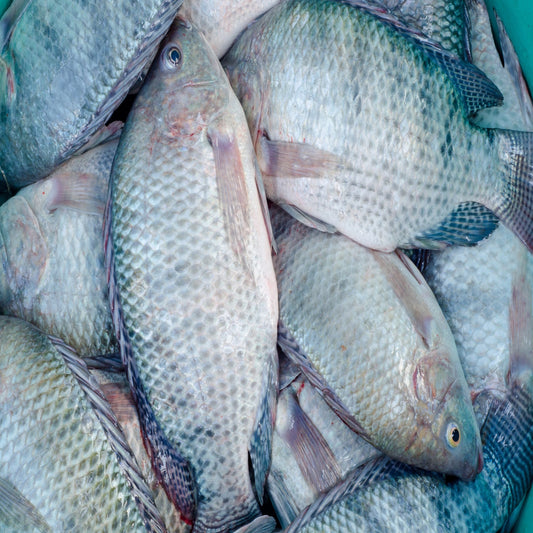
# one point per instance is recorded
(515, 204)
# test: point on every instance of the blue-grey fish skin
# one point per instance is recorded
(362, 123)
(64, 67)
(54, 454)
(195, 292)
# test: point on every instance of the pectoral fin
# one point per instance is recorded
(231, 186)
(281, 159)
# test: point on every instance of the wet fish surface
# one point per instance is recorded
(391, 496)
(59, 84)
(374, 140)
(366, 330)
(58, 469)
(223, 20)
(193, 289)
(52, 271)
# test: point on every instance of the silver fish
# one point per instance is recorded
(361, 125)
(365, 328)
(59, 470)
(59, 84)
(52, 271)
(223, 20)
(192, 286)
(388, 496)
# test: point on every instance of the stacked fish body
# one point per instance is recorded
(376, 141)
(58, 470)
(371, 336)
(59, 84)
(223, 20)
(52, 270)
(195, 285)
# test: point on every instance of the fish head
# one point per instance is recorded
(447, 430)
(184, 85)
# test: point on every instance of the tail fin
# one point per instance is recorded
(515, 208)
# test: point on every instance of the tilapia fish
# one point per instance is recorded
(388, 496)
(366, 330)
(52, 270)
(193, 289)
(58, 438)
(223, 20)
(361, 125)
(64, 67)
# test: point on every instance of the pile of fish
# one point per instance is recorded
(292, 290)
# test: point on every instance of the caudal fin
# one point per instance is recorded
(515, 206)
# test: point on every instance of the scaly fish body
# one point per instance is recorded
(195, 283)
(52, 271)
(443, 21)
(58, 472)
(222, 21)
(370, 326)
(362, 123)
(59, 84)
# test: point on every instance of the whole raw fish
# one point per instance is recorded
(65, 65)
(195, 299)
(392, 497)
(361, 124)
(59, 468)
(223, 20)
(52, 271)
(366, 330)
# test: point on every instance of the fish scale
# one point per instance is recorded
(196, 284)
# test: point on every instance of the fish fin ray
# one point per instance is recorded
(308, 220)
(171, 468)
(514, 207)
(105, 133)
(292, 350)
(466, 225)
(140, 490)
(260, 446)
(281, 159)
(288, 371)
(310, 449)
(108, 362)
(264, 205)
(282, 499)
(16, 511)
(231, 188)
(262, 524)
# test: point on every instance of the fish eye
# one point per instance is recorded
(172, 56)
(453, 435)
